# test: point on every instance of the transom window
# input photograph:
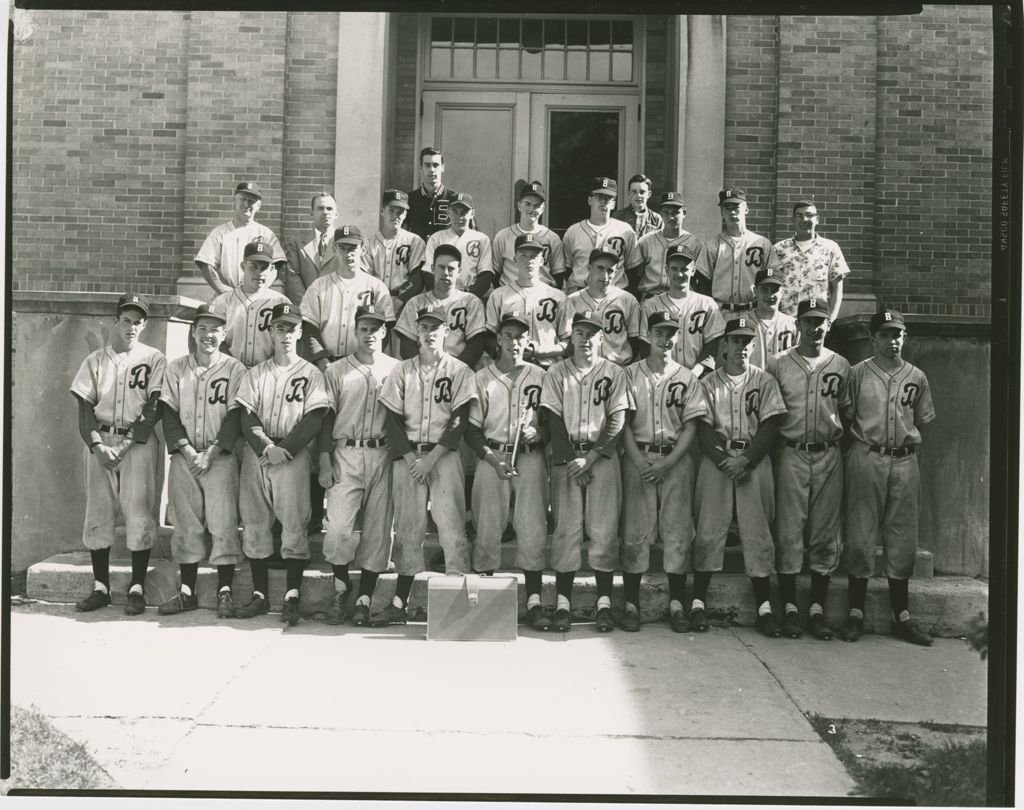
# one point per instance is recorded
(570, 49)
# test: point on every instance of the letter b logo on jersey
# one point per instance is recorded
(140, 377)
(402, 256)
(676, 394)
(753, 401)
(473, 249)
(546, 309)
(615, 322)
(830, 385)
(365, 297)
(457, 318)
(755, 256)
(263, 319)
(218, 391)
(602, 390)
(697, 322)
(532, 395)
(911, 391)
(298, 392)
(616, 245)
(443, 390)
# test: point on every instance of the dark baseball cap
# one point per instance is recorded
(432, 313)
(130, 299)
(393, 195)
(731, 194)
(813, 308)
(672, 198)
(740, 326)
(211, 311)
(465, 200)
(529, 242)
(887, 318)
(534, 188)
(662, 317)
(348, 235)
(680, 252)
(446, 249)
(588, 317)
(289, 313)
(250, 188)
(598, 253)
(514, 317)
(768, 276)
(370, 313)
(257, 252)
(604, 185)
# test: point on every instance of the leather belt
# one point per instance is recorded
(811, 447)
(734, 307)
(111, 429)
(660, 449)
(424, 447)
(736, 444)
(370, 443)
(507, 448)
(893, 452)
(583, 447)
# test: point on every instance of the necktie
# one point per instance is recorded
(321, 246)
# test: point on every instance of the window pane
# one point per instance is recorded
(508, 30)
(486, 30)
(622, 66)
(463, 65)
(554, 32)
(576, 70)
(440, 63)
(600, 63)
(533, 35)
(531, 64)
(622, 34)
(441, 30)
(554, 63)
(581, 144)
(576, 33)
(600, 33)
(486, 63)
(465, 33)
(508, 63)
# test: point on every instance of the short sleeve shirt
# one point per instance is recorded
(426, 398)
(225, 246)
(118, 384)
(807, 269)
(585, 398)
(202, 395)
(503, 252)
(889, 407)
(353, 391)
(731, 263)
(663, 403)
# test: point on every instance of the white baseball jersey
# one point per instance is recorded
(731, 263)
(280, 396)
(773, 336)
(202, 395)
(807, 269)
(425, 399)
(737, 407)
(118, 385)
(889, 407)
(652, 247)
(816, 391)
(544, 307)
(248, 328)
(582, 237)
(699, 318)
(620, 314)
(663, 402)
(354, 390)
(225, 246)
(464, 311)
(585, 398)
(500, 401)
(475, 248)
(330, 304)
(503, 250)
(391, 260)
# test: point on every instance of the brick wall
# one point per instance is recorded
(656, 101)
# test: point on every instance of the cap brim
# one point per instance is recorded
(890, 325)
(814, 313)
(129, 305)
(594, 324)
(348, 240)
(434, 318)
(664, 325)
(513, 322)
(371, 317)
(672, 204)
(399, 203)
(531, 246)
(771, 281)
(731, 199)
(604, 254)
(680, 257)
(536, 194)
(286, 319)
(607, 192)
(259, 258)
(740, 333)
(253, 194)
(210, 317)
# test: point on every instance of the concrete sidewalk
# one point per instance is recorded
(190, 703)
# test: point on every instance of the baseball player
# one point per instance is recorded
(465, 314)
(355, 468)
(700, 320)
(614, 307)
(532, 201)
(599, 230)
(542, 306)
(284, 401)
(201, 426)
(653, 246)
(395, 255)
(775, 332)
(814, 383)
(311, 255)
(745, 410)
(508, 395)
(428, 204)
(586, 397)
(118, 392)
(811, 266)
(248, 308)
(637, 215)
(220, 256)
(428, 399)
(476, 270)
(658, 470)
(728, 262)
(891, 402)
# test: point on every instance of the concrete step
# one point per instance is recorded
(733, 563)
(942, 605)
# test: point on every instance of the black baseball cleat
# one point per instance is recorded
(225, 605)
(852, 629)
(536, 618)
(336, 611)
(256, 606)
(680, 624)
(561, 621)
(791, 625)
(908, 631)
(390, 615)
(94, 601)
(698, 620)
(361, 615)
(290, 612)
(630, 621)
(769, 626)
(819, 629)
(604, 621)
(135, 604)
(179, 603)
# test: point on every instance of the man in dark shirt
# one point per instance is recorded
(428, 204)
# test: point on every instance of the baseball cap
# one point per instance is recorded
(604, 185)
(211, 311)
(289, 313)
(251, 188)
(370, 312)
(432, 313)
(257, 252)
(672, 198)
(887, 318)
(130, 299)
(769, 276)
(731, 194)
(465, 200)
(348, 235)
(534, 188)
(739, 326)
(813, 308)
(589, 317)
(514, 317)
(597, 253)
(680, 252)
(529, 241)
(393, 195)
(447, 250)
(662, 317)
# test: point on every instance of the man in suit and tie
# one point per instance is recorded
(311, 255)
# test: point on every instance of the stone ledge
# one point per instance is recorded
(174, 307)
(856, 326)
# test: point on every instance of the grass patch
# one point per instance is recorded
(43, 757)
